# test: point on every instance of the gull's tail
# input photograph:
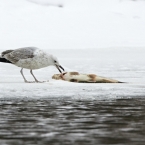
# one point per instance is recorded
(4, 60)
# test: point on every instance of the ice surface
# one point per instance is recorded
(121, 64)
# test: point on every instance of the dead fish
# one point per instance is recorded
(83, 78)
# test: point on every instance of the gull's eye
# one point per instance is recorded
(55, 61)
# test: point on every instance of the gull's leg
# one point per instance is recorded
(21, 71)
(24, 77)
(34, 76)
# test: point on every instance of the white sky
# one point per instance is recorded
(79, 24)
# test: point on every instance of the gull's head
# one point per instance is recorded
(55, 62)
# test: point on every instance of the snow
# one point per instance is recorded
(102, 37)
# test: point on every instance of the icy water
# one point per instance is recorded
(65, 121)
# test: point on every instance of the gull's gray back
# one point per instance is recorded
(20, 53)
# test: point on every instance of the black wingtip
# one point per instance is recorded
(121, 82)
(4, 60)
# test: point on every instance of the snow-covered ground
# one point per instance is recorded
(102, 37)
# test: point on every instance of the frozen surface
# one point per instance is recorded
(122, 64)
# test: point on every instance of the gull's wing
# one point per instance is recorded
(6, 52)
(21, 53)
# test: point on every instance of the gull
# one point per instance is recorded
(30, 58)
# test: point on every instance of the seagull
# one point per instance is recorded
(30, 58)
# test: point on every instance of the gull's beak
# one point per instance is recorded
(59, 67)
